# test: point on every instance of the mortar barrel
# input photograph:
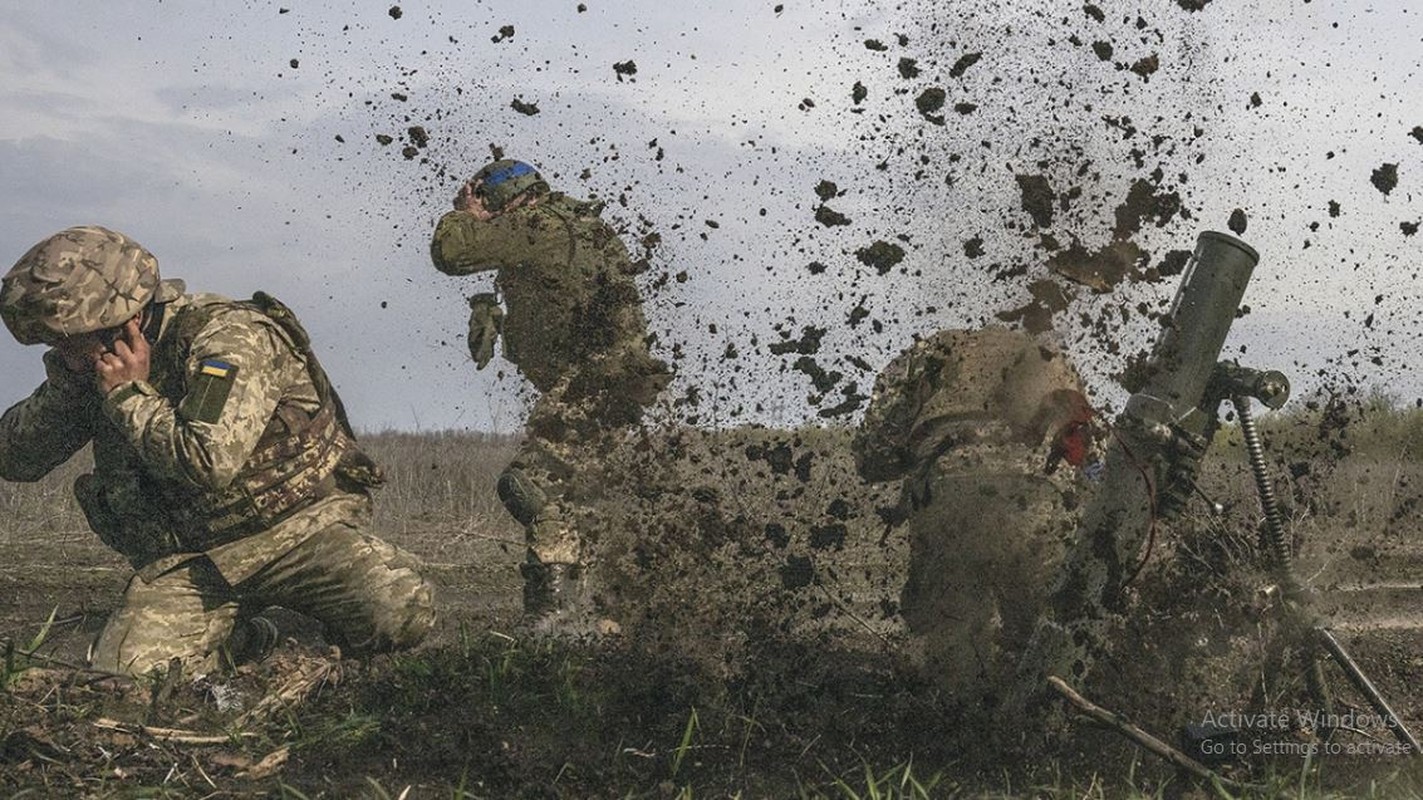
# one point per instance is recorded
(1200, 318)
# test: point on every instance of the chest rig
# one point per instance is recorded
(301, 456)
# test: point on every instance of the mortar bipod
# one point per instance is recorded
(1241, 384)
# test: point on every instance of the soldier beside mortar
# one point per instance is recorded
(979, 425)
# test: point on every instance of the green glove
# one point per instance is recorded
(486, 321)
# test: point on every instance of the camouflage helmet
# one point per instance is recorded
(79, 280)
(500, 183)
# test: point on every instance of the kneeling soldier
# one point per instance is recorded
(978, 424)
(224, 467)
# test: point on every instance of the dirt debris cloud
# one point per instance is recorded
(1083, 148)
(1044, 166)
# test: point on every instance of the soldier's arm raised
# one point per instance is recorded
(464, 244)
(42, 431)
(238, 369)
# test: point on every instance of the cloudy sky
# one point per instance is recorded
(240, 146)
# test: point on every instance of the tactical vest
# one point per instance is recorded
(301, 456)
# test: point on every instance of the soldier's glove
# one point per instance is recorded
(486, 322)
(1074, 426)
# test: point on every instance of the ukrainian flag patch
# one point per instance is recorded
(208, 391)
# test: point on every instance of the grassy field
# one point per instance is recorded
(763, 655)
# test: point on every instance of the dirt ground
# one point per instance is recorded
(763, 654)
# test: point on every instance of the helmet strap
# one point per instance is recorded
(153, 315)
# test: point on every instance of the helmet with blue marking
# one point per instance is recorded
(504, 181)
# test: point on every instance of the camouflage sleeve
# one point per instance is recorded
(237, 370)
(464, 245)
(882, 444)
(609, 246)
(42, 431)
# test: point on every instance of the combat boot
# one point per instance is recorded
(555, 600)
(252, 640)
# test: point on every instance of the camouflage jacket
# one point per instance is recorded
(991, 386)
(226, 440)
(567, 281)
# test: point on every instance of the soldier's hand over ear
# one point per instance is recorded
(471, 203)
(128, 361)
(463, 196)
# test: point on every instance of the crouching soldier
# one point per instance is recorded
(575, 328)
(981, 426)
(224, 467)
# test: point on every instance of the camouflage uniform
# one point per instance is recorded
(975, 422)
(229, 479)
(576, 330)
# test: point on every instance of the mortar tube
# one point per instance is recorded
(1119, 514)
(1199, 320)
(1121, 511)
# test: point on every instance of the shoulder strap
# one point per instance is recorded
(278, 312)
(186, 323)
(189, 321)
(565, 215)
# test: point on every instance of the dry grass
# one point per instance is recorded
(45, 509)
(439, 497)
(449, 474)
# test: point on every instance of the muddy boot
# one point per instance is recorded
(252, 640)
(554, 600)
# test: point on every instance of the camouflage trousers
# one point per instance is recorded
(369, 594)
(554, 475)
(537, 489)
(987, 533)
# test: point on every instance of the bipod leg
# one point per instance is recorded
(1367, 689)
(1316, 683)
(1316, 635)
(1141, 738)
(1297, 620)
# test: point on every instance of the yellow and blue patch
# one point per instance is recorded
(208, 391)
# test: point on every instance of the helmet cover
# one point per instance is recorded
(500, 183)
(82, 279)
